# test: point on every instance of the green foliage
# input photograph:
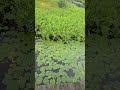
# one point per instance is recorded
(66, 23)
(58, 62)
(17, 44)
(103, 20)
(58, 59)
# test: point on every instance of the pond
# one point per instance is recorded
(57, 62)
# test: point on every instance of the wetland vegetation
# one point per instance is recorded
(59, 45)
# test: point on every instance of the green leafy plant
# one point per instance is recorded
(60, 24)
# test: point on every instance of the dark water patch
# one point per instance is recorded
(38, 67)
(55, 79)
(70, 73)
(51, 37)
(50, 78)
(37, 54)
(38, 71)
(56, 70)
(42, 83)
(61, 76)
(58, 62)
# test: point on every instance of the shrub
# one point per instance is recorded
(62, 3)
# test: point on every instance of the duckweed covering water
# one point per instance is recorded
(59, 63)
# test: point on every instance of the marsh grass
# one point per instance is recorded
(60, 23)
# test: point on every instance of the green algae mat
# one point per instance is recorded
(57, 62)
